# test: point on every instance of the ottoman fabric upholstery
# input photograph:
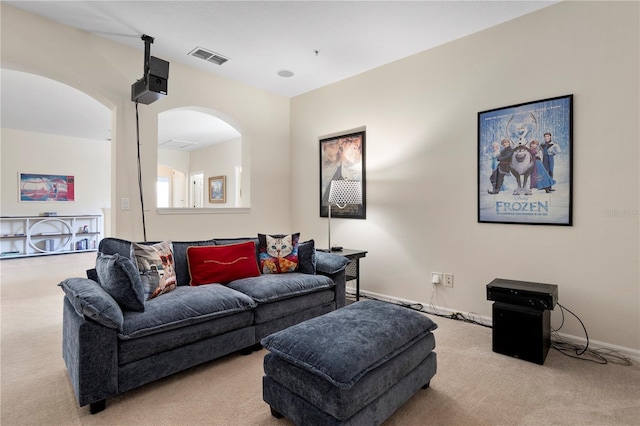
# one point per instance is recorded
(349, 364)
(354, 340)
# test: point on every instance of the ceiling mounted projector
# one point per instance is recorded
(153, 85)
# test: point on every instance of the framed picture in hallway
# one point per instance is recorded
(342, 157)
(525, 163)
(41, 187)
(218, 189)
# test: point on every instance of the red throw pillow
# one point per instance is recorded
(222, 264)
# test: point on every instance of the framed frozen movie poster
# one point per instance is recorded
(342, 157)
(525, 163)
(40, 187)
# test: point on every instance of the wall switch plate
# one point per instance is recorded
(448, 280)
(124, 204)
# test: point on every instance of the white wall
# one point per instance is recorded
(219, 160)
(30, 152)
(175, 159)
(420, 115)
(105, 70)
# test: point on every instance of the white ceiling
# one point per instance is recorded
(320, 42)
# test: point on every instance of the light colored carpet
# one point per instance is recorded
(473, 385)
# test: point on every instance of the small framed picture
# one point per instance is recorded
(41, 187)
(218, 189)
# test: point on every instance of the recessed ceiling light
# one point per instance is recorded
(285, 73)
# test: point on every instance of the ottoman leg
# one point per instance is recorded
(427, 385)
(275, 414)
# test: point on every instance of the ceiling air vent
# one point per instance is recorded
(177, 144)
(208, 55)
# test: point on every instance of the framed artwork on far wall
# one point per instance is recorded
(525, 163)
(343, 157)
(218, 189)
(41, 187)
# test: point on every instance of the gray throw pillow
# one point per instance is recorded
(91, 301)
(307, 257)
(120, 278)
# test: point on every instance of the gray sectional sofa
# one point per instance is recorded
(109, 349)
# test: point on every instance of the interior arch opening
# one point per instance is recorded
(200, 160)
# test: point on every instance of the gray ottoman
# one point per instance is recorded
(353, 366)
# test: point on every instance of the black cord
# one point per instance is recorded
(599, 356)
(144, 226)
(562, 309)
(561, 322)
(458, 316)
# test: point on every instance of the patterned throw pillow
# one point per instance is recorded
(156, 266)
(222, 264)
(278, 253)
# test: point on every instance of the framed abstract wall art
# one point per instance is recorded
(41, 187)
(343, 157)
(525, 163)
(218, 189)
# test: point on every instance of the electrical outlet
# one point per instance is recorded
(436, 278)
(448, 280)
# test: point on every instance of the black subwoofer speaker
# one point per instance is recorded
(521, 332)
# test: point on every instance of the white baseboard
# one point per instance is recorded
(632, 354)
(437, 310)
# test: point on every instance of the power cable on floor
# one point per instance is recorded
(583, 353)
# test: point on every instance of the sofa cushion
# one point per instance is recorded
(183, 307)
(343, 345)
(131, 350)
(221, 264)
(290, 307)
(227, 241)
(271, 287)
(278, 253)
(120, 278)
(91, 301)
(307, 257)
(155, 261)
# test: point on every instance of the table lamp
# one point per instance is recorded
(341, 193)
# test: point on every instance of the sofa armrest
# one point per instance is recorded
(329, 263)
(90, 352)
(333, 266)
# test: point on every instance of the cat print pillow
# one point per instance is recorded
(156, 266)
(278, 253)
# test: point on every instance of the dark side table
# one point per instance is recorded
(353, 267)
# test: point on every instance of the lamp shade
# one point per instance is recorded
(343, 192)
